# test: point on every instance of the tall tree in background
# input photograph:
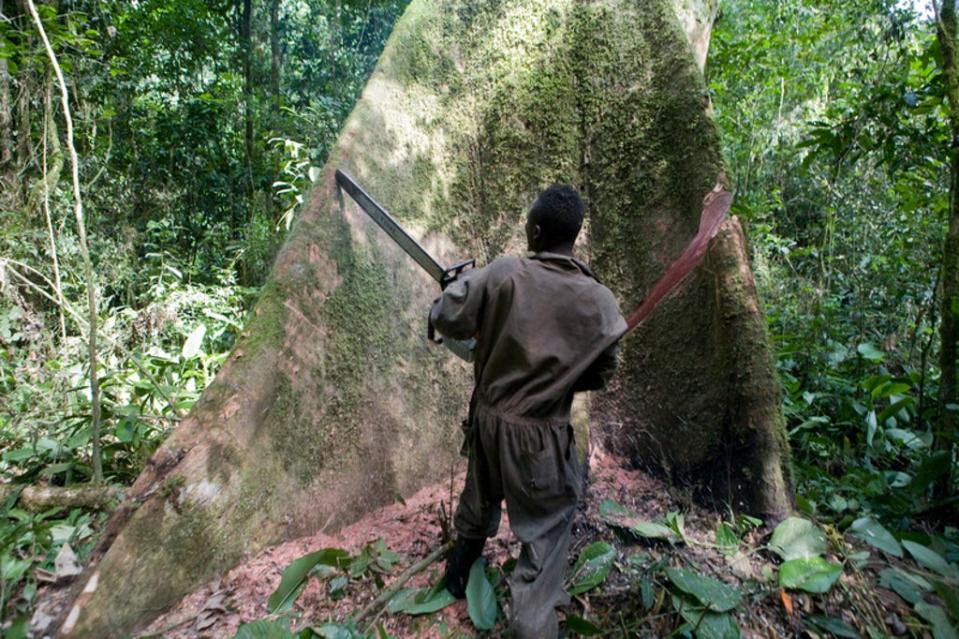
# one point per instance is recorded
(945, 14)
(6, 112)
(246, 51)
(275, 56)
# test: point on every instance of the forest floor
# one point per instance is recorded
(635, 599)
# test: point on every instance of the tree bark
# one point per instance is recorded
(946, 433)
(246, 45)
(6, 114)
(697, 18)
(333, 403)
(275, 53)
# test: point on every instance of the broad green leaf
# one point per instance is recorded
(930, 469)
(676, 523)
(592, 567)
(609, 509)
(263, 629)
(428, 600)
(339, 631)
(936, 616)
(621, 517)
(873, 533)
(930, 559)
(647, 593)
(652, 530)
(797, 538)
(337, 587)
(192, 344)
(833, 625)
(871, 427)
(726, 539)
(895, 407)
(949, 595)
(295, 574)
(712, 593)
(401, 599)
(582, 627)
(812, 574)
(708, 624)
(480, 598)
(870, 352)
(906, 438)
(11, 570)
(900, 582)
(890, 389)
(429, 605)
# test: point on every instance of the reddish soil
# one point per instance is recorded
(417, 526)
(413, 529)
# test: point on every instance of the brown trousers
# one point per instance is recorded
(532, 464)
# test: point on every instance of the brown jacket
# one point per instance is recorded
(545, 328)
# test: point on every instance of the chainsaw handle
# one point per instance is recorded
(461, 348)
(452, 273)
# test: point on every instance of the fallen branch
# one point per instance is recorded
(384, 597)
(39, 498)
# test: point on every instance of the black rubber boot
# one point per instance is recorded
(465, 552)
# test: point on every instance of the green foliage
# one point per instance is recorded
(480, 597)
(30, 542)
(294, 577)
(628, 523)
(424, 601)
(874, 534)
(591, 567)
(835, 133)
(709, 592)
(797, 538)
(812, 574)
(183, 219)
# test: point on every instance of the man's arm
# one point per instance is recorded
(456, 312)
(599, 372)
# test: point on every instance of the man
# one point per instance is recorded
(545, 329)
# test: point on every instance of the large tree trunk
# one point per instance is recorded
(333, 403)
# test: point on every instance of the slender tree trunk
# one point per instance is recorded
(84, 249)
(945, 437)
(26, 82)
(246, 44)
(6, 112)
(275, 60)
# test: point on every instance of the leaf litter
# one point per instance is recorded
(692, 575)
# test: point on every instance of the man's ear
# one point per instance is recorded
(536, 233)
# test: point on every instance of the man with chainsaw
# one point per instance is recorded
(545, 329)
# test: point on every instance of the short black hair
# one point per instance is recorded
(559, 212)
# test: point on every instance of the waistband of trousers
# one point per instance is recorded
(553, 420)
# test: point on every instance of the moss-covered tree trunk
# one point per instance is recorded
(333, 403)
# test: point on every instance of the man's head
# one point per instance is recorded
(554, 220)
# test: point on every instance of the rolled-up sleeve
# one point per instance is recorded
(456, 313)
